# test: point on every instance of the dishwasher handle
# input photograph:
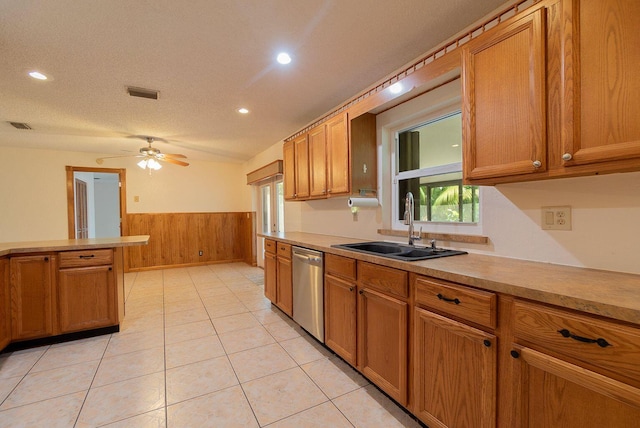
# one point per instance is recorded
(308, 259)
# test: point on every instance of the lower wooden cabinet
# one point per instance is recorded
(284, 293)
(86, 298)
(32, 297)
(5, 311)
(383, 342)
(270, 277)
(556, 393)
(454, 370)
(340, 317)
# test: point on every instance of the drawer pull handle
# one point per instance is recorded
(456, 300)
(87, 257)
(601, 342)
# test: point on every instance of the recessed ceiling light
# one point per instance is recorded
(243, 110)
(284, 58)
(37, 75)
(396, 88)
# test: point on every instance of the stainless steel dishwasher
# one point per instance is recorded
(308, 291)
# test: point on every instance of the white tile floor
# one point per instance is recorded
(199, 347)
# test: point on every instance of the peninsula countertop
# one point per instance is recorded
(610, 294)
(10, 248)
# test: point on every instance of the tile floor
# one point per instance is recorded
(199, 347)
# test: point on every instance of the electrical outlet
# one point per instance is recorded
(556, 218)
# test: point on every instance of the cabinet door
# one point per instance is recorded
(382, 342)
(555, 393)
(289, 171)
(338, 156)
(5, 314)
(317, 162)
(602, 88)
(284, 293)
(302, 167)
(504, 113)
(340, 317)
(270, 285)
(454, 373)
(86, 298)
(31, 296)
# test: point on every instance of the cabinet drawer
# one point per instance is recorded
(467, 303)
(284, 250)
(70, 259)
(387, 280)
(608, 345)
(270, 246)
(343, 267)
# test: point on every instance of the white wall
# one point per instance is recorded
(34, 199)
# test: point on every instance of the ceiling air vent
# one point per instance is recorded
(20, 125)
(143, 93)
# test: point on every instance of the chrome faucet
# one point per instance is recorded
(408, 218)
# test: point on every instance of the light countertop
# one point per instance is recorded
(9, 248)
(610, 294)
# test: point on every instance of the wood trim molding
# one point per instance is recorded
(267, 171)
(453, 237)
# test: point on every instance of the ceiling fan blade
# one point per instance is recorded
(174, 161)
(100, 160)
(174, 155)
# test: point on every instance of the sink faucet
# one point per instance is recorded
(408, 218)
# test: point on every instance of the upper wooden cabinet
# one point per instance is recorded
(553, 93)
(335, 158)
(504, 124)
(601, 89)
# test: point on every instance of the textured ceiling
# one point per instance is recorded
(207, 58)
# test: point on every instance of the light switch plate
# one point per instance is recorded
(556, 218)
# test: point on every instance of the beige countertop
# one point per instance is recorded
(610, 294)
(9, 248)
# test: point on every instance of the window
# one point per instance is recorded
(428, 162)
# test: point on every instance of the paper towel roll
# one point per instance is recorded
(363, 202)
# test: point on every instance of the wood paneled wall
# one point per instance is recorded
(177, 238)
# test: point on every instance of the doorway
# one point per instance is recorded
(271, 199)
(96, 202)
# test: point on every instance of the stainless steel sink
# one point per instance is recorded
(399, 251)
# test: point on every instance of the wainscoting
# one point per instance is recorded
(176, 239)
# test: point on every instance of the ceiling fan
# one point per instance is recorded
(151, 157)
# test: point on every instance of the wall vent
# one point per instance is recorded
(20, 125)
(143, 93)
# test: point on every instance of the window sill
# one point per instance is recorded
(453, 237)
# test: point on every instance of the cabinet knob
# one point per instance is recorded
(537, 164)
(350, 288)
(515, 354)
(46, 259)
(487, 343)
(361, 291)
(567, 157)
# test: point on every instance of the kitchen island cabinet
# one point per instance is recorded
(32, 296)
(53, 288)
(5, 309)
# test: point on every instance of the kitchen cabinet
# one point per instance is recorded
(570, 370)
(86, 290)
(382, 329)
(335, 158)
(317, 162)
(504, 114)
(284, 278)
(455, 364)
(5, 310)
(32, 281)
(602, 89)
(270, 269)
(340, 306)
(553, 93)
